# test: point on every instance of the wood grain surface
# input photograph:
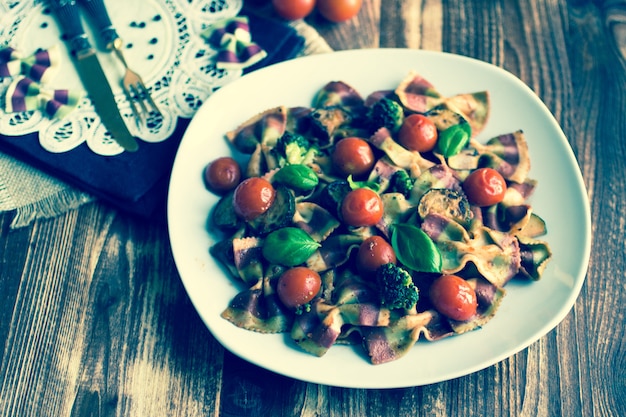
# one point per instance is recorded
(94, 320)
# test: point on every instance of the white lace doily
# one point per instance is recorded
(161, 43)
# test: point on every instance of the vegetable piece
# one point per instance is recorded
(222, 175)
(280, 213)
(292, 148)
(415, 249)
(293, 9)
(401, 183)
(444, 117)
(353, 156)
(332, 195)
(223, 216)
(453, 297)
(289, 246)
(448, 203)
(485, 187)
(373, 253)
(535, 227)
(373, 185)
(339, 10)
(362, 207)
(386, 113)
(298, 286)
(454, 130)
(418, 133)
(326, 122)
(253, 197)
(396, 287)
(297, 177)
(453, 140)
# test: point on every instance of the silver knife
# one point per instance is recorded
(91, 73)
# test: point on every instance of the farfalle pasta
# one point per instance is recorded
(429, 224)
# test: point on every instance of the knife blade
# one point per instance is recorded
(91, 73)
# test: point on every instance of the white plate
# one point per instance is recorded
(528, 312)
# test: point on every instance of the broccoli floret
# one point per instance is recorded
(396, 286)
(386, 113)
(401, 182)
(292, 148)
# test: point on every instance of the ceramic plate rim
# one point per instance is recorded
(188, 205)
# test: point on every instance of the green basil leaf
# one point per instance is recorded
(289, 246)
(415, 249)
(453, 139)
(298, 177)
(372, 185)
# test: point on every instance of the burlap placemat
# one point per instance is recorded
(32, 194)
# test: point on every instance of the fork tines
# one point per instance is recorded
(141, 102)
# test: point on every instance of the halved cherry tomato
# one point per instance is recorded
(418, 133)
(453, 297)
(297, 286)
(374, 252)
(485, 187)
(293, 9)
(223, 174)
(353, 156)
(362, 207)
(253, 197)
(339, 10)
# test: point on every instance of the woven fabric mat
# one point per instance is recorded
(32, 194)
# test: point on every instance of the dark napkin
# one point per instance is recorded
(137, 182)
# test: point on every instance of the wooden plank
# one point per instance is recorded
(100, 318)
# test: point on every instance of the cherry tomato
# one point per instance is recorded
(418, 133)
(453, 297)
(485, 187)
(373, 253)
(362, 207)
(293, 9)
(253, 197)
(339, 10)
(223, 174)
(353, 156)
(297, 286)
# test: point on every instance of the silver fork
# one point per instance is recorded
(138, 95)
(141, 102)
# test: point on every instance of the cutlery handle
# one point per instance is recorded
(98, 13)
(68, 18)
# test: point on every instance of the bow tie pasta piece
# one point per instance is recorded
(42, 66)
(235, 48)
(417, 94)
(24, 94)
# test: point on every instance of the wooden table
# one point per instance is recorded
(94, 320)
